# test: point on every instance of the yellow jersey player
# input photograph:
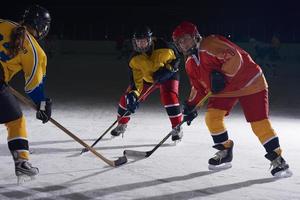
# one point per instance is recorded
(20, 51)
(153, 60)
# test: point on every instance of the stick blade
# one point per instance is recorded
(134, 153)
(120, 161)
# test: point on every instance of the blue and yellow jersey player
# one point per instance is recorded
(20, 51)
(152, 61)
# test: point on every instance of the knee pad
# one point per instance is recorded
(214, 119)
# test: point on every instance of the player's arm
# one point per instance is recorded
(34, 67)
(136, 81)
(170, 65)
(136, 87)
(196, 95)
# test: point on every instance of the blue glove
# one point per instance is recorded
(189, 113)
(162, 75)
(131, 102)
(44, 110)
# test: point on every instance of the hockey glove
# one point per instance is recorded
(162, 75)
(131, 102)
(189, 113)
(44, 110)
(217, 81)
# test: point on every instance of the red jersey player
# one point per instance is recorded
(216, 64)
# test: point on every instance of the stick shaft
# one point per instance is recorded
(119, 119)
(32, 105)
(182, 122)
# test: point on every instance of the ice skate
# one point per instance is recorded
(25, 171)
(177, 134)
(222, 159)
(279, 167)
(120, 129)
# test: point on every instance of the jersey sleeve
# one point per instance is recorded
(34, 63)
(168, 55)
(197, 91)
(136, 79)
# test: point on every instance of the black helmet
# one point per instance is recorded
(142, 32)
(37, 18)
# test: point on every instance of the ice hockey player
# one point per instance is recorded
(19, 50)
(152, 61)
(216, 64)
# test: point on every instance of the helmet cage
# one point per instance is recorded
(139, 49)
(196, 39)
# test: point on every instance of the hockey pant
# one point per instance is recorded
(168, 97)
(256, 111)
(11, 115)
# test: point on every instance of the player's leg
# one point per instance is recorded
(11, 115)
(170, 100)
(218, 108)
(256, 109)
(122, 125)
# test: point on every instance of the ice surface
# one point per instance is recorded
(172, 172)
(85, 93)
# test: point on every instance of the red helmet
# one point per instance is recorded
(185, 28)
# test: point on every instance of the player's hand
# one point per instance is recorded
(162, 75)
(218, 81)
(131, 102)
(189, 113)
(44, 110)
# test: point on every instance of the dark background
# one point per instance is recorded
(105, 20)
(81, 71)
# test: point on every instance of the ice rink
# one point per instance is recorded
(86, 103)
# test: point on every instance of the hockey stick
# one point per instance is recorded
(113, 163)
(149, 153)
(117, 120)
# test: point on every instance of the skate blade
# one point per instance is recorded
(113, 137)
(284, 174)
(24, 178)
(220, 167)
(176, 142)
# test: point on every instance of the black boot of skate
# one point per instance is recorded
(279, 166)
(23, 169)
(177, 134)
(120, 129)
(222, 159)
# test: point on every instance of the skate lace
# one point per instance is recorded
(276, 163)
(121, 128)
(25, 165)
(28, 164)
(220, 154)
(176, 131)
